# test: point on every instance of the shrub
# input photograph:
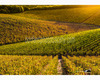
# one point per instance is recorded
(26, 8)
(16, 9)
(3, 11)
(11, 9)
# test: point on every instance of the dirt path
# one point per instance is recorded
(75, 27)
(59, 67)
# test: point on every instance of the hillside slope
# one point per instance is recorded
(17, 29)
(74, 14)
(81, 43)
(95, 20)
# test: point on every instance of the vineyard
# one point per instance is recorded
(15, 29)
(27, 65)
(77, 65)
(46, 65)
(37, 24)
(49, 40)
(64, 15)
(81, 43)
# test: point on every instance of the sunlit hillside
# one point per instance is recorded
(16, 29)
(49, 39)
(81, 43)
(78, 15)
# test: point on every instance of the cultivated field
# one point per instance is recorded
(81, 43)
(65, 15)
(49, 40)
(16, 29)
(77, 65)
(27, 65)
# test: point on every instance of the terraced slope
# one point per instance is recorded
(81, 43)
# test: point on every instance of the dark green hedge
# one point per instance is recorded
(11, 9)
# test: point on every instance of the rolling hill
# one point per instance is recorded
(66, 14)
(16, 29)
(49, 39)
(81, 43)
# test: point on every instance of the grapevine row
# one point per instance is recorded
(71, 68)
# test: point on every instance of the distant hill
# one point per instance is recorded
(75, 14)
(21, 8)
